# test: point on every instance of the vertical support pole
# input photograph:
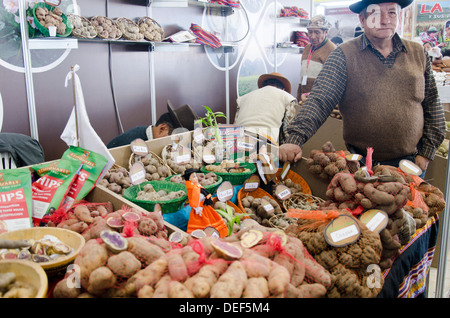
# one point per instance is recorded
(443, 249)
(227, 74)
(151, 56)
(151, 62)
(275, 62)
(28, 70)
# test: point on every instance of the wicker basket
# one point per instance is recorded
(99, 21)
(296, 178)
(274, 221)
(42, 28)
(166, 155)
(168, 206)
(58, 266)
(132, 160)
(235, 178)
(150, 29)
(211, 188)
(297, 199)
(258, 193)
(129, 29)
(81, 27)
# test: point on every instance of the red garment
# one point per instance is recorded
(209, 217)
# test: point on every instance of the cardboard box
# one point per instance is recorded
(122, 154)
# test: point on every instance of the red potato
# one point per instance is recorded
(278, 280)
(176, 266)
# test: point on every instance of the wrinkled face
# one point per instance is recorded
(316, 36)
(380, 21)
(427, 46)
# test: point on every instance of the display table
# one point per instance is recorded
(407, 278)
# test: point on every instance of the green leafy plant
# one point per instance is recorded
(231, 217)
(210, 121)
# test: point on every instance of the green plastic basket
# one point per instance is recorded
(168, 206)
(235, 178)
(43, 29)
(211, 188)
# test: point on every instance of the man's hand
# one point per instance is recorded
(422, 162)
(290, 152)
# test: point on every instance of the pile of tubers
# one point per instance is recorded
(81, 27)
(53, 17)
(345, 191)
(150, 30)
(169, 157)
(12, 287)
(204, 179)
(253, 263)
(117, 179)
(227, 166)
(293, 186)
(148, 193)
(347, 265)
(39, 251)
(90, 219)
(261, 209)
(129, 29)
(327, 162)
(106, 28)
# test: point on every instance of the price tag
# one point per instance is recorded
(410, 167)
(183, 159)
(267, 206)
(251, 184)
(211, 231)
(282, 192)
(353, 157)
(53, 3)
(245, 145)
(139, 147)
(209, 158)
(285, 170)
(375, 220)
(137, 173)
(342, 231)
(225, 191)
(198, 136)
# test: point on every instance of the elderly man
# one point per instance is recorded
(397, 113)
(315, 53)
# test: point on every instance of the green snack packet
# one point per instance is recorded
(15, 199)
(50, 189)
(92, 165)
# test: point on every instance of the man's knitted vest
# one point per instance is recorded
(381, 106)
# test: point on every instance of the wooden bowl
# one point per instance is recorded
(71, 238)
(28, 272)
